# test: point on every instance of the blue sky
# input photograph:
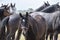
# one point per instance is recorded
(25, 4)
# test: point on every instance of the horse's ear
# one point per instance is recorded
(45, 3)
(11, 4)
(57, 3)
(20, 15)
(48, 2)
(7, 4)
(26, 14)
(14, 4)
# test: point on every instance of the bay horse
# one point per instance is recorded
(12, 12)
(33, 27)
(3, 13)
(12, 25)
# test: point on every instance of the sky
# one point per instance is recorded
(25, 4)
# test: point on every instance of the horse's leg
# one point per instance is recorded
(47, 35)
(19, 34)
(43, 37)
(13, 36)
(8, 30)
(55, 35)
(14, 29)
(51, 36)
(2, 33)
(9, 36)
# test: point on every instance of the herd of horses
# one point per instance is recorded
(35, 25)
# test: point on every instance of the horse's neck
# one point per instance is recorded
(50, 9)
(12, 10)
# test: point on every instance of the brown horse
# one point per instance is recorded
(3, 13)
(8, 25)
(33, 27)
(49, 17)
(12, 25)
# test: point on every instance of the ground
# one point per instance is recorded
(22, 37)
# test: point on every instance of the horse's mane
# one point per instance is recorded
(42, 7)
(33, 23)
(50, 9)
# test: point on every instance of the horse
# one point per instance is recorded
(56, 26)
(51, 9)
(33, 27)
(43, 6)
(12, 24)
(11, 7)
(56, 6)
(49, 17)
(3, 13)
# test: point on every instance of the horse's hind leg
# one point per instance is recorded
(43, 37)
(8, 30)
(13, 36)
(51, 36)
(2, 33)
(8, 36)
(55, 35)
(47, 35)
(19, 34)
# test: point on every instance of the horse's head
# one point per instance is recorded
(6, 9)
(43, 6)
(12, 8)
(24, 22)
(6, 12)
(12, 5)
(57, 6)
(2, 14)
(5, 6)
(51, 9)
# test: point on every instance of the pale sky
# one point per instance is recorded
(25, 4)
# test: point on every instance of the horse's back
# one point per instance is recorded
(14, 20)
